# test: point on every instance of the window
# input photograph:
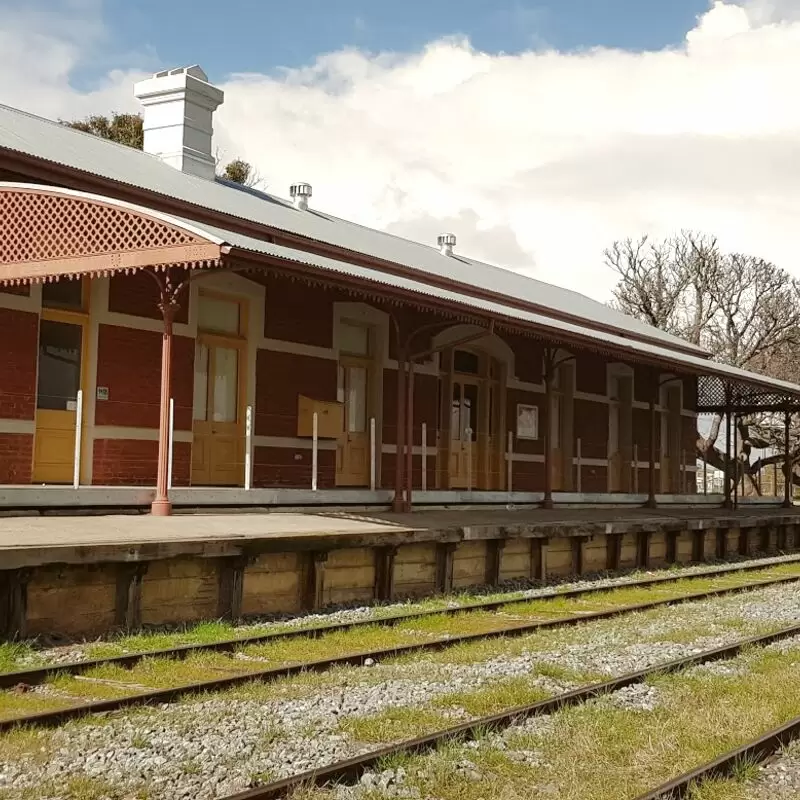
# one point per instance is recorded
(465, 362)
(218, 315)
(59, 365)
(354, 339)
(64, 294)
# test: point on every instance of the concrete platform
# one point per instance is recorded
(76, 576)
(34, 541)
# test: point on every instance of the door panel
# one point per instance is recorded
(218, 446)
(464, 424)
(353, 447)
(59, 379)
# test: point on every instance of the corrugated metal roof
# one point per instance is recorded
(26, 133)
(696, 364)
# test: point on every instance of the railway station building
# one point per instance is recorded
(168, 337)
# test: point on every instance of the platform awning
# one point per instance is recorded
(48, 233)
(720, 384)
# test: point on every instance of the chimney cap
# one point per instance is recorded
(195, 71)
(446, 242)
(300, 192)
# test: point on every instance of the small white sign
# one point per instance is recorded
(102, 392)
(72, 405)
(527, 422)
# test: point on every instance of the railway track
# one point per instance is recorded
(350, 770)
(37, 675)
(247, 673)
(755, 751)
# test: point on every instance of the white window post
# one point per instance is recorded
(170, 441)
(76, 470)
(248, 448)
(314, 445)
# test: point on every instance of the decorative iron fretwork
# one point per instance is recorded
(37, 226)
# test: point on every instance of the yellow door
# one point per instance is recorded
(218, 428)
(59, 379)
(464, 432)
(353, 447)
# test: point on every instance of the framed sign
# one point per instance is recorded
(527, 422)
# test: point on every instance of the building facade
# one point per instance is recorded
(284, 348)
(159, 326)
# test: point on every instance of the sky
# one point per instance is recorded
(537, 132)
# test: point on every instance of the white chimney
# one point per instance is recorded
(446, 242)
(300, 192)
(178, 108)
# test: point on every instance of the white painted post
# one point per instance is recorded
(76, 470)
(636, 469)
(510, 462)
(372, 454)
(424, 457)
(705, 477)
(468, 434)
(314, 444)
(578, 453)
(682, 472)
(248, 448)
(170, 441)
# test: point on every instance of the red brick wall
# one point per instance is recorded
(19, 345)
(129, 365)
(291, 467)
(138, 294)
(16, 457)
(131, 462)
(280, 378)
(297, 312)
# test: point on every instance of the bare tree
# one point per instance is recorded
(744, 310)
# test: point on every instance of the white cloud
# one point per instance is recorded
(536, 161)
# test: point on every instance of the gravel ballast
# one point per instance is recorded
(81, 651)
(221, 744)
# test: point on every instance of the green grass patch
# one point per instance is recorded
(338, 643)
(498, 697)
(16, 704)
(395, 724)
(17, 655)
(598, 751)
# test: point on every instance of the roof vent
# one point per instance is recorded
(300, 193)
(446, 242)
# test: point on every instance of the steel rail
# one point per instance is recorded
(37, 675)
(170, 694)
(754, 751)
(351, 769)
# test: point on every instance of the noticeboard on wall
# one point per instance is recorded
(527, 421)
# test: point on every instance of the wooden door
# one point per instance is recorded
(353, 446)
(465, 432)
(620, 431)
(61, 345)
(556, 424)
(671, 440)
(218, 440)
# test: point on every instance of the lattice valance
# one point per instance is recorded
(47, 233)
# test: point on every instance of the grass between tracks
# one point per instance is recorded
(110, 681)
(16, 656)
(602, 751)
